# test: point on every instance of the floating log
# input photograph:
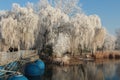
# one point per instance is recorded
(87, 59)
(8, 57)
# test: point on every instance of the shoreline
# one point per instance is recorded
(99, 57)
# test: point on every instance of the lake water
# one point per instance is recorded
(87, 71)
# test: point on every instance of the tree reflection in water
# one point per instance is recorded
(86, 71)
(109, 70)
(80, 72)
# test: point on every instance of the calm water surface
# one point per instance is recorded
(86, 71)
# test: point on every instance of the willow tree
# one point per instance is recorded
(117, 45)
(82, 30)
(98, 40)
(27, 24)
(109, 42)
(59, 24)
(7, 28)
(18, 27)
(88, 30)
(50, 19)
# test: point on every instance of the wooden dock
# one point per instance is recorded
(8, 57)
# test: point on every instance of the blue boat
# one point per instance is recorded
(10, 64)
(1, 72)
(9, 68)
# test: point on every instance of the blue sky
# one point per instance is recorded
(107, 10)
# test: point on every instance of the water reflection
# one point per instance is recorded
(86, 71)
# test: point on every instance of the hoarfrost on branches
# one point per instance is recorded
(59, 24)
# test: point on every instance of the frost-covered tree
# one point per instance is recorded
(117, 45)
(27, 24)
(89, 31)
(109, 42)
(55, 24)
(50, 19)
(69, 7)
(18, 27)
(99, 38)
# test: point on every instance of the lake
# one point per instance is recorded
(104, 70)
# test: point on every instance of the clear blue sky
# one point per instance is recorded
(107, 10)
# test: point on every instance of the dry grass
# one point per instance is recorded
(108, 55)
